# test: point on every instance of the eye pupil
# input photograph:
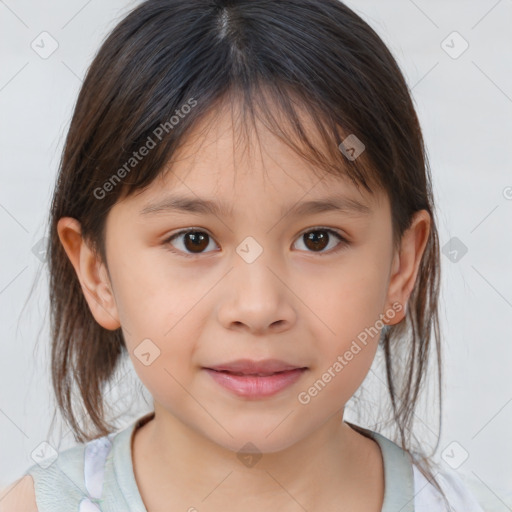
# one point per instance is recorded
(197, 238)
(318, 242)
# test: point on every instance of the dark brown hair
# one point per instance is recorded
(277, 59)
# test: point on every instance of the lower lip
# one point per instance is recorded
(251, 386)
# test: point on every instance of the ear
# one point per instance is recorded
(91, 272)
(406, 263)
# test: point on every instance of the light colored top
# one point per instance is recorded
(98, 476)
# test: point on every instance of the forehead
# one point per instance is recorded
(220, 189)
(224, 164)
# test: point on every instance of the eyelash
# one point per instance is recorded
(167, 242)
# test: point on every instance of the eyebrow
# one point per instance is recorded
(200, 206)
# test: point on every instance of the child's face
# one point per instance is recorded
(300, 300)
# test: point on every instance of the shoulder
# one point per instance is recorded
(428, 498)
(54, 483)
(61, 480)
(19, 496)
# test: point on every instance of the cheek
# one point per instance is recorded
(346, 340)
(159, 330)
(159, 322)
(349, 304)
(152, 295)
(353, 296)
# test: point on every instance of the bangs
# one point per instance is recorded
(295, 119)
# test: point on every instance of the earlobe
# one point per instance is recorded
(406, 263)
(91, 273)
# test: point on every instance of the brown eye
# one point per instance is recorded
(195, 241)
(192, 242)
(317, 240)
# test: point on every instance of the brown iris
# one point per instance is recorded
(195, 241)
(316, 242)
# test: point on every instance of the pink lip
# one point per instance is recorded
(240, 377)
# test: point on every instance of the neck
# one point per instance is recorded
(175, 464)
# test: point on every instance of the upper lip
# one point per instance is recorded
(249, 366)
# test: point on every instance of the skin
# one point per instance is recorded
(292, 303)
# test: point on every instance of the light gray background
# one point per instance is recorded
(465, 107)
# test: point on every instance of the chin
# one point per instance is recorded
(255, 441)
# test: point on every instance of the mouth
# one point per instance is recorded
(256, 385)
(261, 368)
(242, 374)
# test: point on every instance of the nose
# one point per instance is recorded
(256, 298)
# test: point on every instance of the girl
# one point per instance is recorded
(244, 209)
